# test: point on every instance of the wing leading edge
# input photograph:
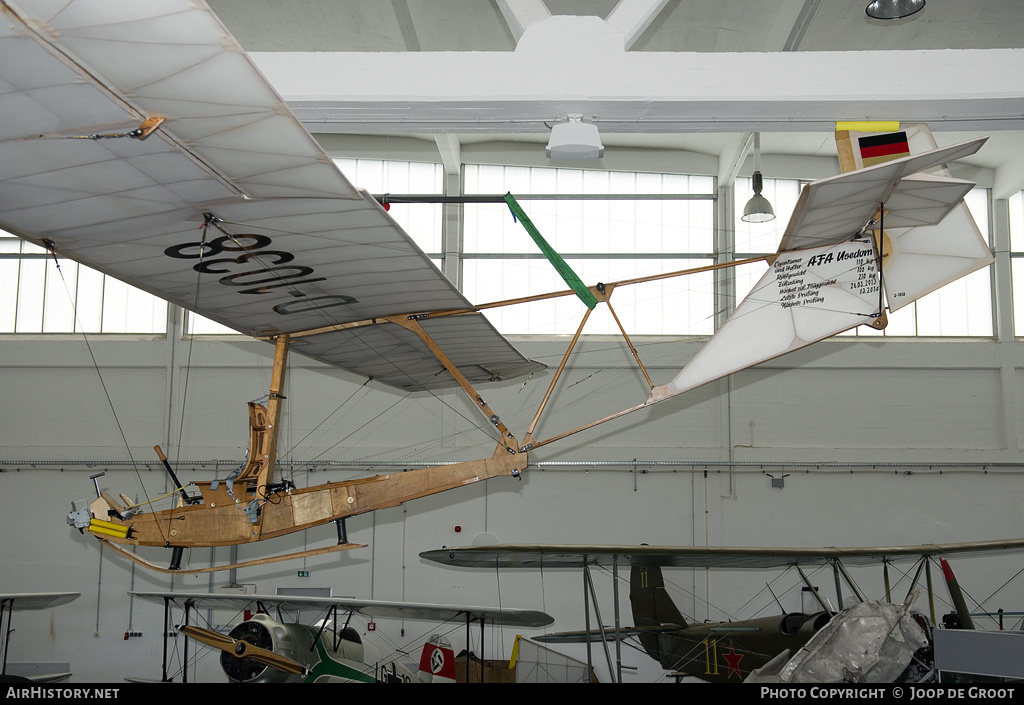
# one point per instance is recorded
(509, 616)
(741, 557)
(36, 600)
(230, 209)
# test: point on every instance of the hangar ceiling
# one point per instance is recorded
(696, 76)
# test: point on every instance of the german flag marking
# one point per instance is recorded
(878, 149)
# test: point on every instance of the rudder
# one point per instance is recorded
(652, 607)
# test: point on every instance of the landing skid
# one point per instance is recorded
(244, 564)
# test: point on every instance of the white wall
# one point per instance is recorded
(859, 403)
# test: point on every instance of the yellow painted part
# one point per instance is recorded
(515, 653)
(109, 525)
(869, 125)
(109, 532)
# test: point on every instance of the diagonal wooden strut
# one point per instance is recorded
(528, 438)
(410, 323)
(625, 336)
(530, 299)
(135, 558)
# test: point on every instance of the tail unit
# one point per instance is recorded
(652, 607)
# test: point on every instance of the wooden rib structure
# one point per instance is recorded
(249, 507)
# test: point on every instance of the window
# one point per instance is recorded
(1017, 259)
(757, 239)
(603, 240)
(422, 221)
(38, 298)
(609, 226)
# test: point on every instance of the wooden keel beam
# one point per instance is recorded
(135, 558)
(221, 521)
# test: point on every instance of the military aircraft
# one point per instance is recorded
(713, 652)
(11, 602)
(160, 156)
(716, 652)
(262, 649)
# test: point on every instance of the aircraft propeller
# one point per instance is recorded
(243, 649)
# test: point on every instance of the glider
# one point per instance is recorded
(140, 140)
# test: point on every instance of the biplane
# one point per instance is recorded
(141, 141)
(726, 651)
(262, 649)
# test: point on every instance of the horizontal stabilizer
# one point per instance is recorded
(836, 208)
(825, 278)
(609, 633)
(925, 257)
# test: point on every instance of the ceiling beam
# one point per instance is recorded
(1009, 177)
(520, 14)
(804, 12)
(622, 91)
(450, 148)
(633, 17)
(738, 147)
(406, 24)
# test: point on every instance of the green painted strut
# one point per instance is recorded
(574, 282)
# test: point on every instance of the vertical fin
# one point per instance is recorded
(957, 596)
(652, 607)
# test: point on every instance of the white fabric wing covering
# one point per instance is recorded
(804, 297)
(292, 245)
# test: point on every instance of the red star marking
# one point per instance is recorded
(733, 660)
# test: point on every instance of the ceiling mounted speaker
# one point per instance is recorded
(575, 141)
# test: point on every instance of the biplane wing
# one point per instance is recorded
(825, 277)
(11, 602)
(228, 207)
(575, 556)
(262, 650)
(508, 616)
(17, 601)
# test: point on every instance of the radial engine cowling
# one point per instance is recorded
(291, 640)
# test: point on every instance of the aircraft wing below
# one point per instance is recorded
(36, 600)
(377, 608)
(594, 636)
(575, 556)
(229, 208)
